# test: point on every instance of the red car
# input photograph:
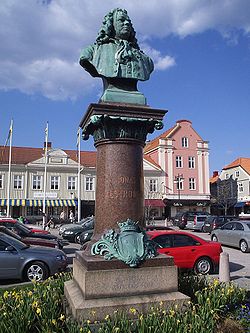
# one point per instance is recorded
(8, 221)
(30, 240)
(189, 251)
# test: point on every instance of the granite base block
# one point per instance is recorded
(98, 309)
(105, 290)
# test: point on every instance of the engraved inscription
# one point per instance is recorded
(126, 180)
(123, 194)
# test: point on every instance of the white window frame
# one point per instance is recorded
(192, 184)
(17, 182)
(179, 183)
(227, 176)
(89, 183)
(36, 182)
(191, 162)
(240, 187)
(55, 183)
(179, 161)
(184, 142)
(153, 185)
(1, 181)
(237, 174)
(72, 181)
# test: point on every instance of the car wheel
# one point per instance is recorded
(243, 246)
(203, 266)
(37, 271)
(214, 238)
(181, 227)
(77, 239)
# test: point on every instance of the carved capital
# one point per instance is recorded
(114, 127)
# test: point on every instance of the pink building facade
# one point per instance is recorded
(184, 158)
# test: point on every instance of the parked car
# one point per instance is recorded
(189, 251)
(235, 234)
(73, 230)
(23, 231)
(25, 262)
(214, 222)
(84, 237)
(11, 222)
(31, 240)
(180, 219)
(196, 222)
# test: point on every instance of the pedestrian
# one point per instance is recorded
(62, 215)
(71, 216)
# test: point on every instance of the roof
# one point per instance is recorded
(213, 179)
(167, 134)
(242, 162)
(25, 155)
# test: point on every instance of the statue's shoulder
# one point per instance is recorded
(87, 52)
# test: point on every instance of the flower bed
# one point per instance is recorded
(39, 308)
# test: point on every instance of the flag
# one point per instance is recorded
(9, 133)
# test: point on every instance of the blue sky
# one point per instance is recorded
(201, 51)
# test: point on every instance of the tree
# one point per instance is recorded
(226, 194)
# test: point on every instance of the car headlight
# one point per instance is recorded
(85, 235)
(61, 257)
(69, 232)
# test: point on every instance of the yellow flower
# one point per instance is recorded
(62, 317)
(132, 310)
(6, 294)
(35, 304)
(107, 317)
(53, 322)
(116, 329)
(29, 293)
(93, 312)
(38, 311)
(216, 282)
(88, 322)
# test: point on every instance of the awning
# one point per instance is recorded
(13, 202)
(52, 203)
(239, 204)
(154, 203)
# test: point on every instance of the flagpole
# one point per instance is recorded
(45, 174)
(9, 173)
(79, 175)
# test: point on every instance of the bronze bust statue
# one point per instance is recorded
(117, 59)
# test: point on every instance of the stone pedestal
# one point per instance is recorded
(101, 288)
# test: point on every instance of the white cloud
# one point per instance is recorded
(41, 40)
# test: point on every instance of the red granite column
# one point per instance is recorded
(120, 183)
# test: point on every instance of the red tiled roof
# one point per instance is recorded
(150, 160)
(213, 180)
(241, 161)
(25, 155)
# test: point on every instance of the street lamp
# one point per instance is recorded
(178, 180)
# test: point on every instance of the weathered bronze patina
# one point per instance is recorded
(117, 59)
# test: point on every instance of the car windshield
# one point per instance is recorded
(23, 227)
(13, 241)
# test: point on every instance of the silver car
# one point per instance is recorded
(235, 234)
(27, 262)
(196, 222)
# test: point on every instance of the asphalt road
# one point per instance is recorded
(239, 262)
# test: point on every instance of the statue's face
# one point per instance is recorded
(122, 25)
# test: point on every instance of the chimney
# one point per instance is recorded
(215, 173)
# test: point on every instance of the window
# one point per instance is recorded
(153, 185)
(237, 174)
(184, 142)
(191, 162)
(240, 187)
(163, 241)
(238, 226)
(54, 182)
(18, 182)
(192, 184)
(183, 240)
(71, 183)
(36, 184)
(178, 162)
(227, 176)
(179, 182)
(89, 184)
(1, 181)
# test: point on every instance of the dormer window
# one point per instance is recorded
(184, 142)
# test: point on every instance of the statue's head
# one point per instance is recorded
(117, 25)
